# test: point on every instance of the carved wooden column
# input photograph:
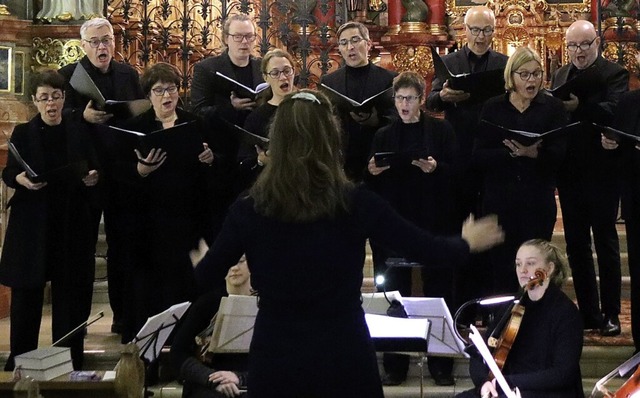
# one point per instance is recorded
(394, 12)
(436, 20)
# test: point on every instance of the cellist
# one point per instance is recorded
(544, 358)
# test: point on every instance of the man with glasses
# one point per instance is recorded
(116, 81)
(587, 182)
(475, 56)
(215, 100)
(464, 114)
(359, 79)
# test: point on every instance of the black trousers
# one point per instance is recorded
(632, 224)
(67, 312)
(591, 204)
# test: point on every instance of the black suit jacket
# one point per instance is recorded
(125, 81)
(359, 137)
(26, 258)
(627, 119)
(585, 155)
(210, 98)
(463, 116)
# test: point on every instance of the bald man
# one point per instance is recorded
(587, 182)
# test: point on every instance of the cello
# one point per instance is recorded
(509, 333)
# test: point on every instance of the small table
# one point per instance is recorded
(62, 387)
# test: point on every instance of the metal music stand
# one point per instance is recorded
(152, 336)
(392, 334)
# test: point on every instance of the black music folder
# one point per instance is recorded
(481, 85)
(617, 135)
(82, 83)
(526, 137)
(585, 83)
(181, 142)
(341, 101)
(250, 139)
(399, 159)
(242, 90)
(70, 172)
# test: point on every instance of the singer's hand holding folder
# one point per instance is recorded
(587, 82)
(481, 85)
(242, 90)
(181, 142)
(82, 83)
(618, 135)
(399, 159)
(74, 171)
(341, 101)
(526, 138)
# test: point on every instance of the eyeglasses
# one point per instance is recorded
(409, 98)
(238, 38)
(475, 31)
(52, 98)
(573, 47)
(159, 91)
(525, 75)
(274, 74)
(354, 40)
(95, 43)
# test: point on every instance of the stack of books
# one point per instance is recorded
(45, 363)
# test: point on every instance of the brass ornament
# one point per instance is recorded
(56, 53)
(417, 59)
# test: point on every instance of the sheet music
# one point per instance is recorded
(233, 329)
(443, 339)
(477, 339)
(162, 323)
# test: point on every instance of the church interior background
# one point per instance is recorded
(37, 34)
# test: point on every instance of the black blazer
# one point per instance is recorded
(585, 155)
(627, 119)
(25, 259)
(125, 81)
(209, 99)
(359, 137)
(463, 117)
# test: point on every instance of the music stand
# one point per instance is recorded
(152, 336)
(394, 334)
(378, 303)
(233, 330)
(443, 339)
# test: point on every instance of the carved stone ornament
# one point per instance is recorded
(55, 53)
(417, 59)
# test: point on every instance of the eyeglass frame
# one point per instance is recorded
(538, 72)
(250, 38)
(409, 98)
(287, 72)
(51, 98)
(353, 40)
(483, 30)
(170, 89)
(95, 43)
(579, 46)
